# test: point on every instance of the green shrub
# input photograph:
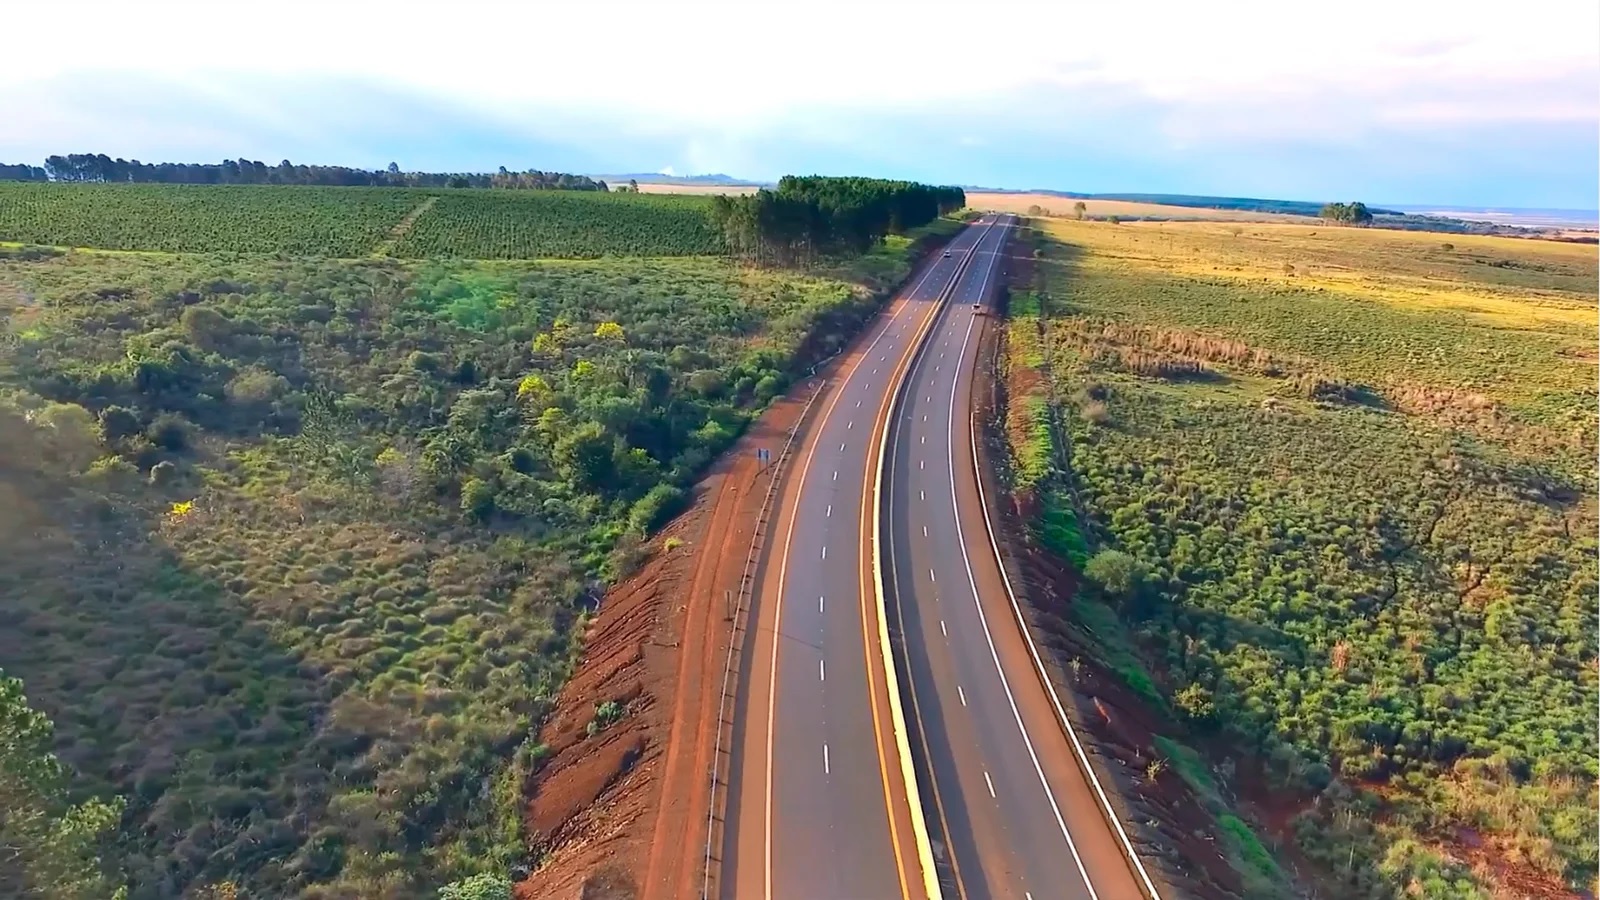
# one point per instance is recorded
(1119, 574)
(477, 498)
(478, 887)
(660, 504)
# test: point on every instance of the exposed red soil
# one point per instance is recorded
(1493, 861)
(657, 645)
(623, 814)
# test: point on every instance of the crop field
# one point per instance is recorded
(1354, 471)
(549, 224)
(179, 218)
(350, 222)
(299, 550)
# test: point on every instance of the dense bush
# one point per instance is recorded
(1385, 594)
(297, 550)
(51, 846)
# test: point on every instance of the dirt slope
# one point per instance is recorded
(657, 646)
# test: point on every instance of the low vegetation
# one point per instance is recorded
(1347, 479)
(298, 551)
(355, 222)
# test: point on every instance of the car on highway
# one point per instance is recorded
(947, 254)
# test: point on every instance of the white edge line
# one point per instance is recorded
(1055, 700)
(983, 620)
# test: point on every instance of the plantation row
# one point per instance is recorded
(353, 222)
(569, 224)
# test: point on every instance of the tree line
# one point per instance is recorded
(98, 167)
(814, 216)
(1348, 213)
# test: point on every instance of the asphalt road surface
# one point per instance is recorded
(817, 805)
(1021, 819)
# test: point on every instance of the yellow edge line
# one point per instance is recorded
(919, 827)
(897, 718)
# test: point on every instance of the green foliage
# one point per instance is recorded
(1194, 701)
(550, 224)
(1263, 878)
(606, 714)
(478, 887)
(1119, 574)
(203, 218)
(658, 505)
(51, 845)
(477, 498)
(97, 167)
(1058, 529)
(1399, 591)
(814, 216)
(1191, 767)
(1347, 213)
(351, 222)
(314, 681)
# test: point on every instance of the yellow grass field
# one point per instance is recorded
(1063, 206)
(1407, 268)
(1518, 313)
(650, 188)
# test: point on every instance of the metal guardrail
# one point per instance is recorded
(735, 636)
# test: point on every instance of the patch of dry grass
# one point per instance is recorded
(1360, 463)
(1063, 206)
(733, 189)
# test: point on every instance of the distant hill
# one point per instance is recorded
(658, 178)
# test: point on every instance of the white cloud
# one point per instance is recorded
(759, 87)
(740, 65)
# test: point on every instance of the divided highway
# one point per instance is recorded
(819, 803)
(1021, 819)
(818, 806)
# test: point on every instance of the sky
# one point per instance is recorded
(1401, 102)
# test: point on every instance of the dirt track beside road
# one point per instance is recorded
(623, 813)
